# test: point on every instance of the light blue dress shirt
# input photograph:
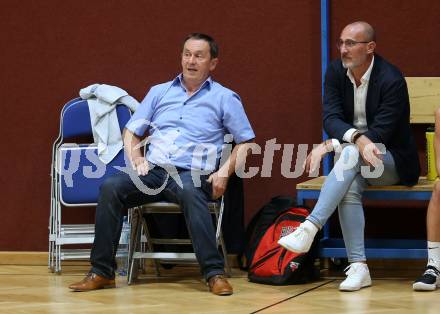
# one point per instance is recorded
(190, 131)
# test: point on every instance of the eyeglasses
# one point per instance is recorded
(349, 43)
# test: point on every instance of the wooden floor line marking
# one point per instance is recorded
(294, 296)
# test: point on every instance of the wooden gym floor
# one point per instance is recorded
(32, 289)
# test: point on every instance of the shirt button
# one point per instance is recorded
(180, 118)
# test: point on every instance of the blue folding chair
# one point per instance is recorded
(76, 174)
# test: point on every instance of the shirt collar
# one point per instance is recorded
(366, 77)
(179, 80)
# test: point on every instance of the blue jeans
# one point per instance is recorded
(118, 192)
(343, 187)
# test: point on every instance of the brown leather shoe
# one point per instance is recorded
(219, 285)
(92, 282)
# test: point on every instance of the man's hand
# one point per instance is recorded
(369, 151)
(140, 164)
(218, 183)
(314, 158)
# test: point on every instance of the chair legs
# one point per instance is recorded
(139, 227)
(219, 236)
(135, 238)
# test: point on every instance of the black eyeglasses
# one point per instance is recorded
(349, 43)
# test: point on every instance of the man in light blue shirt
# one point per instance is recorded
(189, 120)
(180, 122)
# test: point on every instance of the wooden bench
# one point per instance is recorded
(424, 93)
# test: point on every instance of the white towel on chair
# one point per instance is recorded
(102, 100)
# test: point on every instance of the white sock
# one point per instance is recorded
(434, 254)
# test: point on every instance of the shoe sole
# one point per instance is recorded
(420, 286)
(225, 293)
(352, 289)
(85, 290)
(291, 249)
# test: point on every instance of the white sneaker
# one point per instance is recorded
(300, 240)
(429, 281)
(358, 276)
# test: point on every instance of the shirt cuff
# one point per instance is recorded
(336, 145)
(137, 127)
(348, 135)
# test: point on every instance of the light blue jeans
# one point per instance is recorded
(343, 188)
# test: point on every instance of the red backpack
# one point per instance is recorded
(273, 264)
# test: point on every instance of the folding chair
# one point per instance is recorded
(142, 244)
(77, 186)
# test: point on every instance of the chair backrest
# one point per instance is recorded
(75, 118)
(81, 171)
